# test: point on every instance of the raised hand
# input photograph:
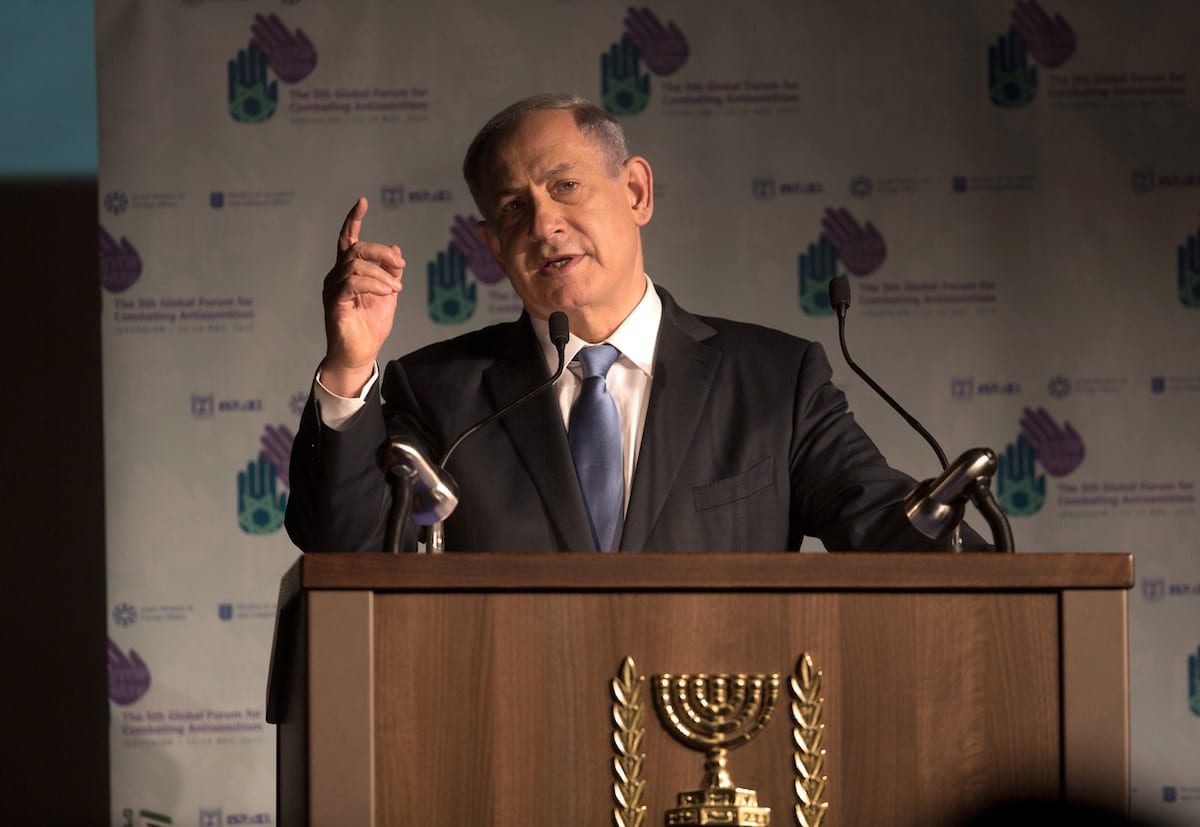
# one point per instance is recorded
(1020, 490)
(291, 56)
(120, 264)
(816, 269)
(1059, 450)
(662, 49)
(1189, 271)
(625, 90)
(479, 258)
(360, 303)
(1011, 80)
(260, 509)
(277, 448)
(251, 98)
(860, 250)
(128, 677)
(1050, 42)
(451, 300)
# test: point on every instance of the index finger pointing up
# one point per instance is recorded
(348, 237)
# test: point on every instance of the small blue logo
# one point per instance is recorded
(861, 186)
(225, 611)
(1154, 589)
(763, 188)
(1059, 387)
(1158, 384)
(962, 387)
(959, 183)
(116, 202)
(124, 615)
(203, 405)
(1142, 180)
(1170, 795)
(210, 818)
(392, 196)
(216, 200)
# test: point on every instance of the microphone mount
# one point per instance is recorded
(936, 506)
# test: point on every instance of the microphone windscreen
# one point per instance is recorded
(560, 328)
(839, 291)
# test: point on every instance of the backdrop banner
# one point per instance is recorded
(1013, 189)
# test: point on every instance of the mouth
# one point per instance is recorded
(558, 264)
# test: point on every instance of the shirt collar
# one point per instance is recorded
(636, 337)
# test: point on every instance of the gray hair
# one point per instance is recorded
(594, 122)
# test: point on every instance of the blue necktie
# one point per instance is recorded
(594, 434)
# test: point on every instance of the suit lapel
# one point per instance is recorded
(537, 433)
(684, 369)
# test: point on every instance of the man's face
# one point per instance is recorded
(564, 229)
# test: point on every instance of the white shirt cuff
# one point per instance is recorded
(337, 412)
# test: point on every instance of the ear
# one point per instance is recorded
(639, 185)
(489, 238)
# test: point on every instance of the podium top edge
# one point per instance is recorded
(710, 571)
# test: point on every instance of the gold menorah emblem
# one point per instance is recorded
(715, 714)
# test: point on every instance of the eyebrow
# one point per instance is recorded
(553, 172)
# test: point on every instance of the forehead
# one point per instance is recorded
(542, 141)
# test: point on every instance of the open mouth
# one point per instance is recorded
(557, 264)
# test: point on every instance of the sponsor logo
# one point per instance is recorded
(1154, 589)
(1194, 682)
(260, 504)
(206, 405)
(216, 200)
(859, 248)
(203, 405)
(124, 615)
(646, 41)
(1170, 795)
(225, 611)
(1042, 445)
(962, 387)
(1059, 387)
(128, 675)
(1158, 384)
(120, 264)
(765, 189)
(1033, 33)
(1188, 271)
(297, 401)
(958, 183)
(391, 196)
(115, 202)
(861, 186)
(274, 54)
(210, 818)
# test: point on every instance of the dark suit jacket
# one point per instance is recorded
(747, 445)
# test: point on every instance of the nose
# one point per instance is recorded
(546, 217)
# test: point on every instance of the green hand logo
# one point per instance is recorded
(1189, 271)
(624, 90)
(1012, 81)
(251, 98)
(260, 509)
(451, 299)
(817, 268)
(1020, 490)
(1194, 682)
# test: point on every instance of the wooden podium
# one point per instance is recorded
(460, 690)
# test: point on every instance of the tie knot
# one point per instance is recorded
(597, 359)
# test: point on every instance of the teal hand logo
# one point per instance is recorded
(451, 299)
(1189, 271)
(251, 98)
(260, 509)
(1194, 682)
(1020, 490)
(817, 268)
(1012, 81)
(624, 89)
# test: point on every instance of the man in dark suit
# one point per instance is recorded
(731, 435)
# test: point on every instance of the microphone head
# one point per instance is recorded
(839, 293)
(560, 329)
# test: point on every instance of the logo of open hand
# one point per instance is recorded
(260, 508)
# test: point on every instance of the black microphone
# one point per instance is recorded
(442, 493)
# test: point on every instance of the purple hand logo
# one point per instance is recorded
(860, 249)
(277, 449)
(128, 677)
(120, 264)
(663, 50)
(1059, 450)
(291, 56)
(1050, 42)
(479, 258)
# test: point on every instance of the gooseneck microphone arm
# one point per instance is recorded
(839, 297)
(560, 333)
